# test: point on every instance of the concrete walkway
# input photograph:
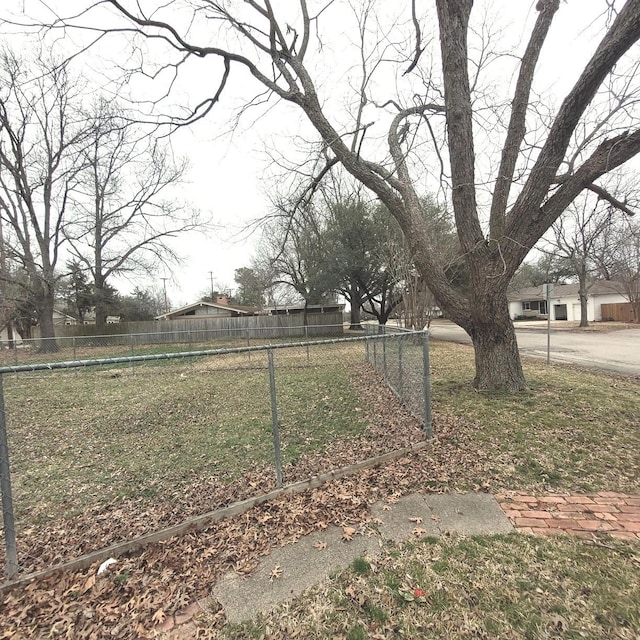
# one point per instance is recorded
(289, 570)
(293, 568)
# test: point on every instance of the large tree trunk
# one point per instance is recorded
(497, 358)
(47, 331)
(583, 294)
(355, 317)
(101, 312)
(584, 320)
(355, 301)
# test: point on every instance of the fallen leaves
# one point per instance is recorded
(146, 581)
(88, 585)
(319, 545)
(125, 605)
(276, 573)
(348, 533)
(159, 616)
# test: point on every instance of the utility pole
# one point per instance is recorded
(164, 286)
(211, 277)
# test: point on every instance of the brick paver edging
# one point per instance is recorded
(616, 514)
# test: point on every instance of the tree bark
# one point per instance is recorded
(498, 365)
(100, 307)
(47, 330)
(355, 300)
(10, 338)
(583, 292)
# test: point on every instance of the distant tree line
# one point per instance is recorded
(341, 243)
(76, 297)
(79, 180)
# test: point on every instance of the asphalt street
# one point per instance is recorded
(617, 351)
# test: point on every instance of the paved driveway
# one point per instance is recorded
(617, 351)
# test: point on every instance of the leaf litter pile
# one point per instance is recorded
(136, 594)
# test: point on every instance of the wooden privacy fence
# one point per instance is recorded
(201, 329)
(618, 312)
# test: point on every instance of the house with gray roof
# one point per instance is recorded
(564, 303)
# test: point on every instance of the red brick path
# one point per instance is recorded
(616, 514)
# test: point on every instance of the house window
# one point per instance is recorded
(535, 305)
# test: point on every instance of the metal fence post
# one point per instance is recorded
(274, 420)
(7, 496)
(384, 353)
(400, 372)
(426, 385)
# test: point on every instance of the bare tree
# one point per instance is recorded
(622, 261)
(419, 306)
(550, 167)
(577, 237)
(293, 252)
(41, 138)
(124, 208)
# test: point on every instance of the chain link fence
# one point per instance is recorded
(63, 348)
(403, 363)
(107, 449)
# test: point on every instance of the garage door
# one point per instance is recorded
(560, 311)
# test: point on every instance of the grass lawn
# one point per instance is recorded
(574, 430)
(85, 437)
(149, 434)
(487, 587)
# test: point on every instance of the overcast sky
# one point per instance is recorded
(231, 176)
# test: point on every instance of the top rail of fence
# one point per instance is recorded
(186, 333)
(96, 362)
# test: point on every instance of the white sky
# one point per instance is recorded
(230, 176)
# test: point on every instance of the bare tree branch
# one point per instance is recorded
(419, 49)
(612, 200)
(516, 130)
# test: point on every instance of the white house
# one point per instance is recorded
(531, 302)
